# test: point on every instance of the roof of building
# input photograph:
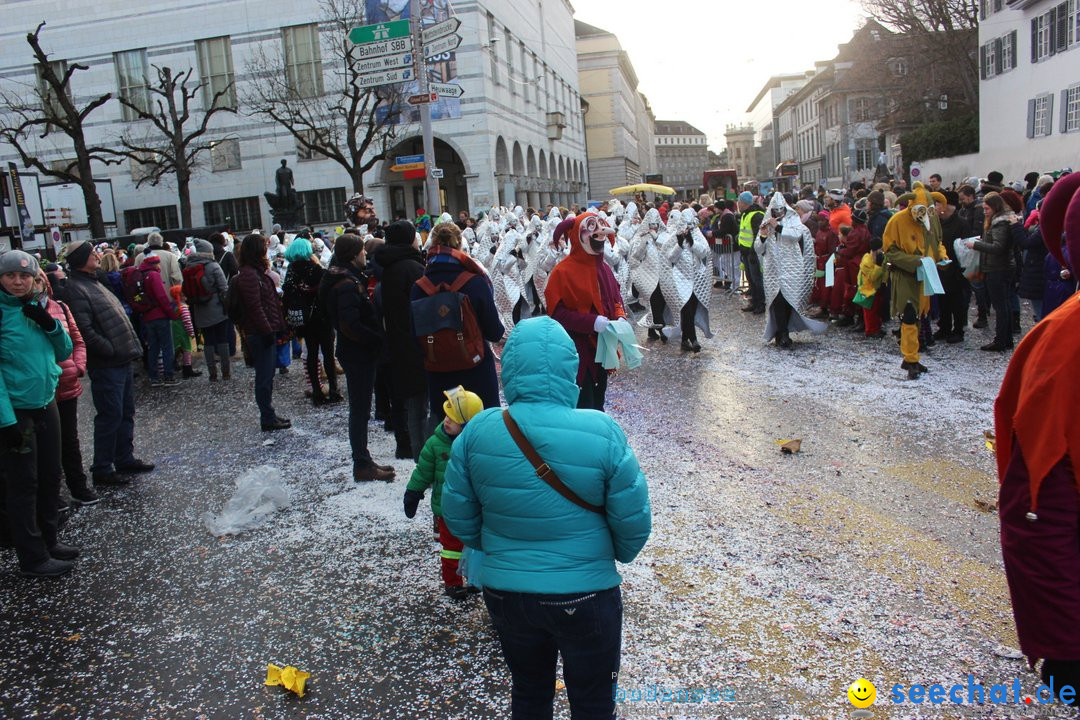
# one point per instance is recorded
(771, 83)
(585, 29)
(676, 127)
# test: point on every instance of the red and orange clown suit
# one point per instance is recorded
(583, 296)
(1037, 418)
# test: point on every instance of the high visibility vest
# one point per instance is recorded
(746, 232)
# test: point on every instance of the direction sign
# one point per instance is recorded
(388, 77)
(436, 173)
(422, 98)
(385, 47)
(388, 62)
(409, 159)
(444, 44)
(439, 30)
(379, 32)
(449, 90)
(405, 167)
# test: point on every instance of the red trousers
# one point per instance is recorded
(450, 555)
(872, 316)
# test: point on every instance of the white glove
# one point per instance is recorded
(600, 324)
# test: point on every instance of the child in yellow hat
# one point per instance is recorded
(460, 407)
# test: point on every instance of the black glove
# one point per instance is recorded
(39, 315)
(494, 249)
(690, 239)
(879, 257)
(412, 501)
(11, 438)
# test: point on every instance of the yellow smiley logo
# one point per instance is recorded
(862, 693)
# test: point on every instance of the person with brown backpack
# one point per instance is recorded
(455, 343)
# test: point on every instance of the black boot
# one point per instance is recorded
(980, 322)
(190, 372)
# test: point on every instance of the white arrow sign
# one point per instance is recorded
(439, 30)
(384, 78)
(449, 90)
(445, 44)
(389, 62)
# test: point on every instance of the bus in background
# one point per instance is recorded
(787, 176)
(721, 184)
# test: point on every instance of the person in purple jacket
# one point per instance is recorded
(583, 296)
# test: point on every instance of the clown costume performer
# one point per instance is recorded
(911, 235)
(786, 249)
(583, 296)
(1038, 452)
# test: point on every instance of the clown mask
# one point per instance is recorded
(593, 232)
(921, 214)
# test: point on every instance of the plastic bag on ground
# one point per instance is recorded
(259, 493)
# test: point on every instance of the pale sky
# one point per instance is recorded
(704, 61)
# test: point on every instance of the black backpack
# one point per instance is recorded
(234, 305)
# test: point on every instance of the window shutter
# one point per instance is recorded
(1031, 119)
(1063, 121)
(1012, 50)
(998, 60)
(1050, 114)
(1034, 40)
(1060, 28)
(982, 61)
(982, 9)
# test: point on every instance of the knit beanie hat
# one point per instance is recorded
(18, 261)
(401, 232)
(746, 197)
(77, 253)
(203, 246)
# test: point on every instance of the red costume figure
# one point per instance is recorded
(1038, 451)
(583, 296)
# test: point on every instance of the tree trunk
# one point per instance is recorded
(183, 187)
(94, 217)
(357, 179)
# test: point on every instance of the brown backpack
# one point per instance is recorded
(446, 327)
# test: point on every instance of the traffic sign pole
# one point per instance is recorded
(434, 203)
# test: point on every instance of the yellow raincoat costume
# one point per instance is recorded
(911, 235)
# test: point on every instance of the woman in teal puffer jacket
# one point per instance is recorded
(548, 567)
(31, 345)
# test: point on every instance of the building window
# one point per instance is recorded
(1041, 28)
(324, 206)
(131, 78)
(49, 102)
(303, 60)
(225, 155)
(240, 214)
(990, 58)
(866, 150)
(1040, 119)
(1008, 51)
(860, 110)
(1070, 109)
(524, 70)
(898, 67)
(164, 217)
(303, 152)
(216, 71)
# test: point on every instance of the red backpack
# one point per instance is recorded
(135, 294)
(446, 327)
(193, 287)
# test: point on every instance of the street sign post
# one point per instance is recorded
(447, 90)
(388, 77)
(443, 44)
(388, 62)
(438, 30)
(431, 185)
(384, 47)
(380, 32)
(422, 98)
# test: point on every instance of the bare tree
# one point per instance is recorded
(945, 31)
(171, 146)
(28, 120)
(346, 122)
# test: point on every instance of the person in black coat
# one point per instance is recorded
(343, 294)
(1032, 269)
(300, 297)
(402, 265)
(444, 263)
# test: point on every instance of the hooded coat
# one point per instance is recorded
(207, 312)
(29, 360)
(402, 266)
(787, 266)
(533, 539)
(906, 242)
(645, 257)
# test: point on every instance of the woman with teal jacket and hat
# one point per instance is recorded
(548, 567)
(32, 344)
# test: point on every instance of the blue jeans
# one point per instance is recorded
(534, 628)
(114, 424)
(360, 383)
(263, 349)
(159, 342)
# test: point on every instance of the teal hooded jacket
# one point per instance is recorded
(29, 357)
(535, 540)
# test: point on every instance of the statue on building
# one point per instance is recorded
(286, 208)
